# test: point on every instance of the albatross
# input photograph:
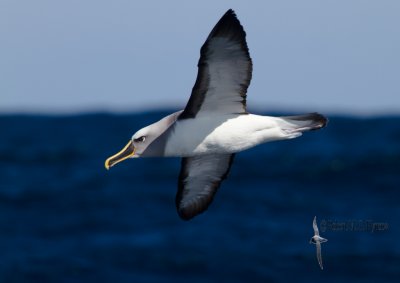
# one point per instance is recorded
(317, 240)
(215, 124)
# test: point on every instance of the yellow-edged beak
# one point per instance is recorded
(126, 152)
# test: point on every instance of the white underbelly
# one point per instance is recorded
(220, 134)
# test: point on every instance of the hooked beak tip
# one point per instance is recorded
(107, 165)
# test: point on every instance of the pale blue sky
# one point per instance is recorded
(72, 56)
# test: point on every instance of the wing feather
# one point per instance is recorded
(224, 73)
(199, 180)
(315, 226)
(319, 256)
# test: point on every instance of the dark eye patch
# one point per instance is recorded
(141, 139)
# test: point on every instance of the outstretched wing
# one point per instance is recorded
(319, 256)
(224, 71)
(314, 224)
(199, 179)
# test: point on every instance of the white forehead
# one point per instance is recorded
(142, 132)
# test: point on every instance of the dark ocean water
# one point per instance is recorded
(64, 218)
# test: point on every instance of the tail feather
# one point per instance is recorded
(302, 123)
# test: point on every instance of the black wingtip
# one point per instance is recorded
(229, 25)
(230, 12)
(186, 214)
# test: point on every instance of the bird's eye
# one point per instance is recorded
(141, 139)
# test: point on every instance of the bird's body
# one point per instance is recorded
(215, 123)
(216, 134)
(317, 239)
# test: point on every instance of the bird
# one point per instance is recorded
(317, 240)
(215, 123)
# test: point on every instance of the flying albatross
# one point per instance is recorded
(215, 123)
(317, 240)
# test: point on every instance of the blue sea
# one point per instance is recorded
(64, 218)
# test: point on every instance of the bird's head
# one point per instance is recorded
(135, 147)
(145, 142)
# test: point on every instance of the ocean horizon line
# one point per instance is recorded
(272, 111)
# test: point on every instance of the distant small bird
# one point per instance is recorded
(317, 240)
(215, 124)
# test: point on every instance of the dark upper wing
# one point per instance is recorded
(224, 71)
(199, 179)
